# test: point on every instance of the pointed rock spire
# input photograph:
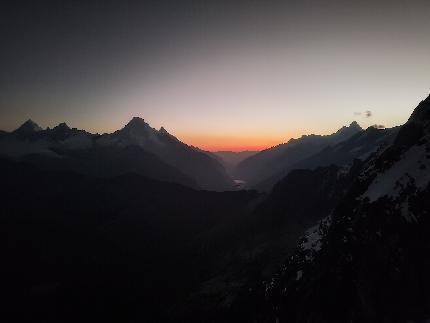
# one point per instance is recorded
(137, 124)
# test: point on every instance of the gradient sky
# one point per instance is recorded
(217, 75)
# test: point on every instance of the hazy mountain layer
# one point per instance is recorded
(359, 146)
(275, 160)
(230, 159)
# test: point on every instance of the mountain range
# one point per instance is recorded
(157, 154)
(265, 168)
(135, 148)
(358, 146)
(92, 228)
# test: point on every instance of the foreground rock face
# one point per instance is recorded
(368, 261)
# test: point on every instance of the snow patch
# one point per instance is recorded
(409, 169)
(404, 211)
(312, 239)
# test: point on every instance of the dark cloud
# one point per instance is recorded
(366, 113)
(378, 126)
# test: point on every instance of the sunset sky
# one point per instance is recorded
(217, 75)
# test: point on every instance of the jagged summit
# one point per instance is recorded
(62, 126)
(28, 127)
(163, 131)
(355, 125)
(137, 126)
(348, 131)
(136, 121)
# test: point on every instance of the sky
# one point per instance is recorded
(220, 75)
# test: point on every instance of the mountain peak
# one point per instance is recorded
(163, 131)
(353, 128)
(62, 126)
(136, 122)
(28, 127)
(138, 127)
(346, 132)
(355, 125)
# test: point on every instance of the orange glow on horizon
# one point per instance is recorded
(231, 143)
(220, 147)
